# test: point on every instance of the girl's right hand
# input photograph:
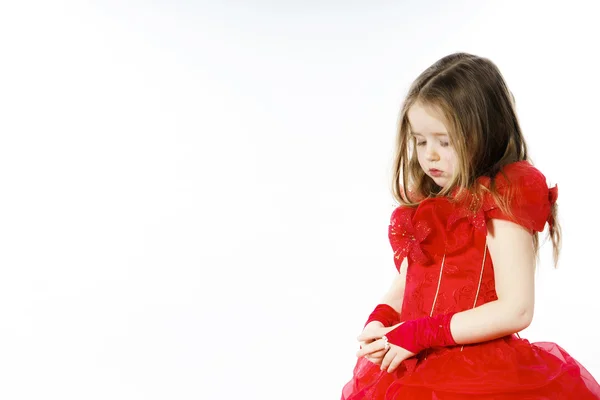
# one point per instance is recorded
(370, 328)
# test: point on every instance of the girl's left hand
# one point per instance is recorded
(393, 357)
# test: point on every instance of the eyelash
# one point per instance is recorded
(443, 144)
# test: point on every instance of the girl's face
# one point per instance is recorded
(436, 155)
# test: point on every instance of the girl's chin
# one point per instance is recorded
(440, 181)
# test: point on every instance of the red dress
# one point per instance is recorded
(449, 269)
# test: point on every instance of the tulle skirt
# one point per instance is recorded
(505, 368)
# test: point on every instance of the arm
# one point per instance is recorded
(511, 248)
(387, 312)
(395, 294)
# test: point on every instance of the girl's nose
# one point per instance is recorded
(432, 155)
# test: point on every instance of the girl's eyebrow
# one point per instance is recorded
(434, 133)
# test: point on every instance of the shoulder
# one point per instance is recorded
(525, 193)
(521, 175)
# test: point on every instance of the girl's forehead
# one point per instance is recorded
(426, 120)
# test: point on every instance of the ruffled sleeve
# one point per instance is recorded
(528, 197)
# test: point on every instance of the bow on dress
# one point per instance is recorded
(406, 238)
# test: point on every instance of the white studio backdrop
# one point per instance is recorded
(195, 195)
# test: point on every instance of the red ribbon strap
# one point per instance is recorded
(552, 196)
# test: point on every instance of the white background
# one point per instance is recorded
(195, 196)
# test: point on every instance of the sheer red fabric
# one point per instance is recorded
(450, 271)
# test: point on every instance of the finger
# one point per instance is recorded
(387, 359)
(395, 362)
(367, 350)
(370, 335)
(363, 343)
(378, 355)
(371, 348)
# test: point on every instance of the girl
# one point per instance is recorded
(465, 241)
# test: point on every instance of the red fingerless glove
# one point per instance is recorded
(385, 314)
(423, 333)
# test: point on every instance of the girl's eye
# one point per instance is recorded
(445, 144)
(421, 143)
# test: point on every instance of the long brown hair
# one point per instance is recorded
(479, 109)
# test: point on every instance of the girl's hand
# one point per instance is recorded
(372, 330)
(394, 356)
(376, 356)
(373, 348)
(371, 344)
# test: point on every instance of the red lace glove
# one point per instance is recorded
(423, 333)
(385, 314)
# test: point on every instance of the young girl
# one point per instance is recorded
(465, 241)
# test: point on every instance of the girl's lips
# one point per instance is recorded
(435, 172)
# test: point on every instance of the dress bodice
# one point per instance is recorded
(444, 239)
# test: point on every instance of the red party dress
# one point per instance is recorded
(450, 269)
